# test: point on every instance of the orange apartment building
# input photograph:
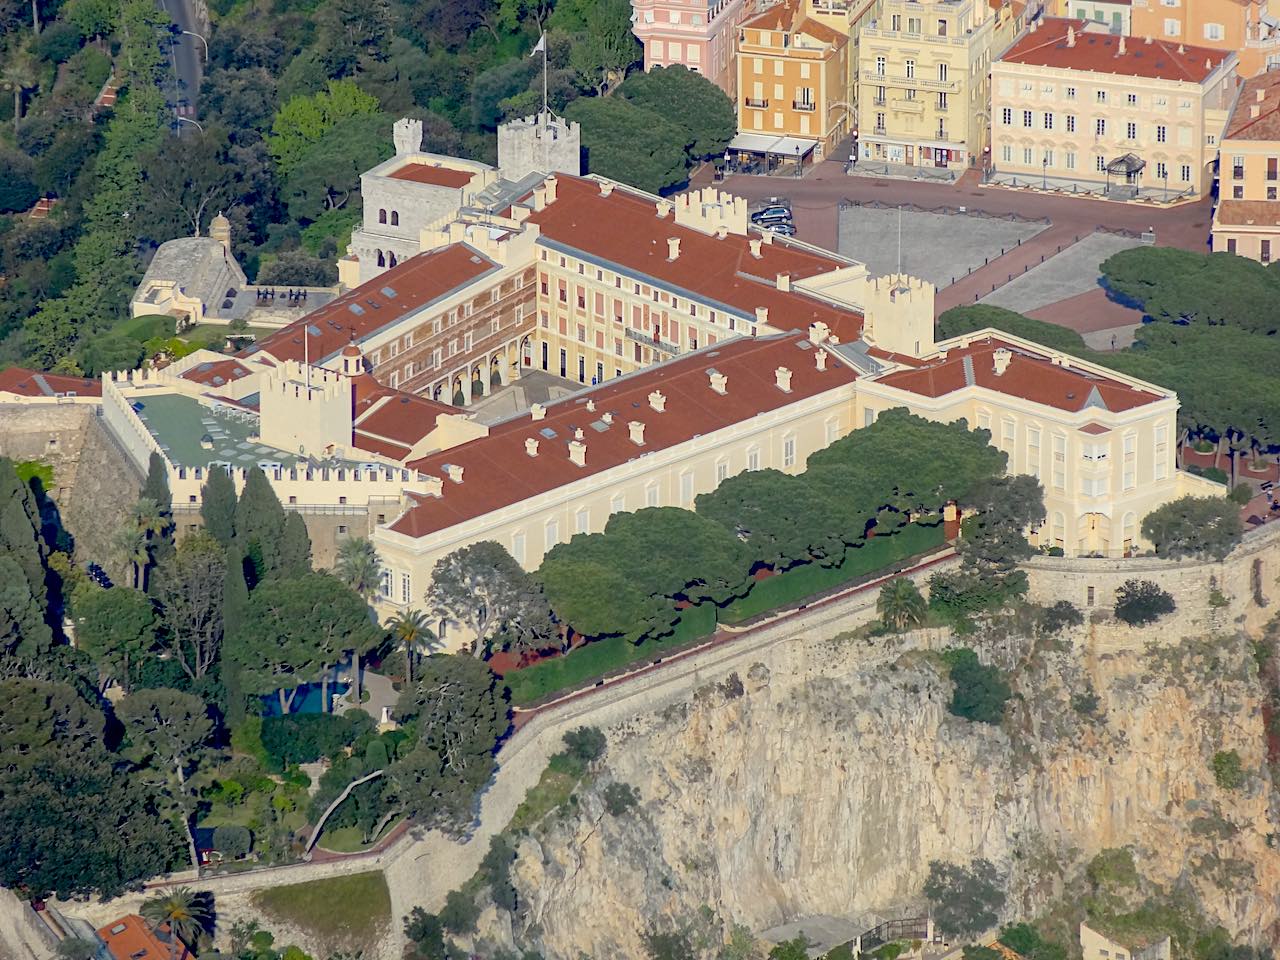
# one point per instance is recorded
(1243, 26)
(1247, 218)
(794, 85)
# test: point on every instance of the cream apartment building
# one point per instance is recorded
(794, 84)
(1115, 15)
(1246, 220)
(1074, 106)
(698, 34)
(923, 80)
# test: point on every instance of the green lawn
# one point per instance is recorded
(595, 660)
(546, 679)
(343, 913)
(350, 839)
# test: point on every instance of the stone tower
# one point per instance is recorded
(406, 134)
(220, 230)
(542, 143)
(898, 314)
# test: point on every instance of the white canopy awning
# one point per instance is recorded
(766, 143)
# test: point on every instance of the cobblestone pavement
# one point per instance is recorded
(815, 201)
(1074, 271)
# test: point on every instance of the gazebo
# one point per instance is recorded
(1130, 167)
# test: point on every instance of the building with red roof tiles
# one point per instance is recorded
(1076, 107)
(1245, 27)
(1102, 444)
(1246, 220)
(132, 938)
(693, 34)
(18, 384)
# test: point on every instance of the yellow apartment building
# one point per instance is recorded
(923, 72)
(1079, 109)
(1247, 218)
(794, 92)
(1240, 26)
(1115, 15)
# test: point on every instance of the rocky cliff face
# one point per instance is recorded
(825, 779)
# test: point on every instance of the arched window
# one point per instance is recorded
(391, 259)
(382, 216)
(395, 218)
(382, 260)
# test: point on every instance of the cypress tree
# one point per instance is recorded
(259, 522)
(20, 533)
(235, 600)
(218, 505)
(157, 488)
(295, 547)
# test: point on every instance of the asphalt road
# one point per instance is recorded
(186, 58)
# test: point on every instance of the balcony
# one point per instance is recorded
(654, 342)
(804, 106)
(755, 104)
(917, 83)
(881, 131)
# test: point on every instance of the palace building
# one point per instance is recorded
(698, 346)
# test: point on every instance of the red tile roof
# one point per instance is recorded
(1029, 376)
(390, 421)
(1248, 213)
(33, 383)
(1243, 125)
(623, 230)
(788, 16)
(433, 174)
(372, 306)
(216, 373)
(132, 938)
(1047, 46)
(497, 472)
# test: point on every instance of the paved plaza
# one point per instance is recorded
(1067, 274)
(939, 247)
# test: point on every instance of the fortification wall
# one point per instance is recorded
(1248, 581)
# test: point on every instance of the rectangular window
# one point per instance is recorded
(1132, 99)
(1100, 127)
(722, 471)
(1266, 251)
(1102, 96)
(406, 588)
(1006, 116)
(753, 459)
(1162, 170)
(651, 495)
(1059, 462)
(552, 532)
(1172, 27)
(1100, 164)
(789, 452)
(1006, 153)
(1007, 430)
(1071, 93)
(1027, 118)
(618, 503)
(686, 488)
(1048, 120)
(1213, 31)
(1071, 160)
(1130, 462)
(1161, 451)
(1162, 133)
(517, 548)
(1033, 451)
(1071, 124)
(582, 520)
(1131, 130)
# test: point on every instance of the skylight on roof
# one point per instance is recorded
(548, 433)
(389, 293)
(313, 329)
(356, 309)
(599, 426)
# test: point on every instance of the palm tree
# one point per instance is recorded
(186, 913)
(131, 549)
(409, 628)
(900, 604)
(20, 75)
(360, 569)
(148, 518)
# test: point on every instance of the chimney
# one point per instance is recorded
(1122, 51)
(577, 433)
(1147, 41)
(636, 429)
(1000, 360)
(1071, 36)
(537, 411)
(591, 406)
(784, 282)
(577, 453)
(435, 486)
(607, 417)
(531, 446)
(664, 207)
(540, 197)
(658, 401)
(1181, 49)
(606, 189)
(454, 471)
(721, 232)
(820, 358)
(783, 376)
(1262, 96)
(551, 183)
(755, 247)
(1255, 111)
(818, 332)
(762, 314)
(673, 248)
(719, 382)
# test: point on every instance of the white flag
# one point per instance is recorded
(540, 46)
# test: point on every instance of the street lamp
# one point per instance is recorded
(1166, 186)
(202, 40)
(186, 120)
(797, 161)
(1044, 173)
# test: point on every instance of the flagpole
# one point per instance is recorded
(546, 162)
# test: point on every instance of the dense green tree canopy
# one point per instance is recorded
(116, 628)
(303, 121)
(1194, 527)
(630, 143)
(965, 900)
(483, 588)
(690, 101)
(961, 320)
(218, 505)
(783, 519)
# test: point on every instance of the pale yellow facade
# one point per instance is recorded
(923, 80)
(1052, 126)
(1246, 220)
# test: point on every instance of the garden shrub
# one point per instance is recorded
(980, 692)
(586, 744)
(233, 841)
(1139, 602)
(460, 912)
(1061, 615)
(307, 737)
(619, 798)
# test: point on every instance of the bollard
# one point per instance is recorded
(1042, 258)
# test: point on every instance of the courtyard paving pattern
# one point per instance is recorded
(1067, 274)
